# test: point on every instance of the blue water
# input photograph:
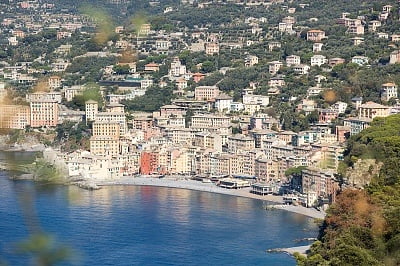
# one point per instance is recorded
(148, 225)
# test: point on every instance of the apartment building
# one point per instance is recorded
(91, 110)
(106, 128)
(14, 116)
(113, 117)
(240, 142)
(44, 113)
(206, 93)
(104, 145)
(44, 96)
(54, 82)
(209, 121)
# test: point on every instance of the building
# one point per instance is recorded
(395, 37)
(198, 76)
(106, 129)
(149, 162)
(70, 92)
(163, 45)
(177, 69)
(356, 125)
(388, 91)
(151, 67)
(286, 27)
(276, 82)
(274, 67)
(91, 110)
(209, 121)
(315, 35)
(342, 133)
(356, 29)
(212, 48)
(372, 110)
(274, 45)
(223, 103)
(144, 29)
(301, 69)
(250, 61)
(260, 100)
(360, 60)
(293, 60)
(14, 116)
(44, 113)
(44, 96)
(240, 142)
(395, 57)
(317, 183)
(336, 61)
(318, 60)
(118, 117)
(54, 82)
(104, 145)
(3, 91)
(317, 47)
(306, 106)
(206, 93)
(373, 25)
(327, 115)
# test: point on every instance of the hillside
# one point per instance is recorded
(362, 227)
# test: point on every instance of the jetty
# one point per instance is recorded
(290, 251)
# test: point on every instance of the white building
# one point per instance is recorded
(318, 60)
(302, 69)
(250, 61)
(317, 47)
(360, 60)
(177, 69)
(388, 91)
(260, 100)
(293, 60)
(223, 103)
(339, 107)
(91, 109)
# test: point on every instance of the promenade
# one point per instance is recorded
(212, 188)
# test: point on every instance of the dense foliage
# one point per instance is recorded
(154, 98)
(362, 227)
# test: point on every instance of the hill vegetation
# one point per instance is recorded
(362, 227)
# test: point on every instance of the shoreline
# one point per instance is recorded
(211, 188)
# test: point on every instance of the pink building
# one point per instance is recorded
(44, 113)
(206, 93)
(327, 115)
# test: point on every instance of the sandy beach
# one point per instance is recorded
(212, 188)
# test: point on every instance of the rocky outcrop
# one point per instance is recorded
(362, 172)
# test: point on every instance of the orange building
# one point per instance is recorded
(198, 76)
(149, 163)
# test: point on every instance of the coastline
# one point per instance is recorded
(277, 201)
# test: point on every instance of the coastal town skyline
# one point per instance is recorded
(283, 101)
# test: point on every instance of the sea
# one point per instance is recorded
(142, 225)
